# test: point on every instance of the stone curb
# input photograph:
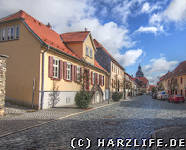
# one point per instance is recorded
(59, 118)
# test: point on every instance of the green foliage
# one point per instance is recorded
(83, 99)
(154, 90)
(116, 96)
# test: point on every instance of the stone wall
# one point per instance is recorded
(2, 83)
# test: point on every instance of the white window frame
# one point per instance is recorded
(93, 77)
(87, 51)
(78, 73)
(68, 71)
(3, 34)
(12, 34)
(17, 31)
(56, 68)
(90, 52)
(8, 33)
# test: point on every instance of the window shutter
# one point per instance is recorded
(50, 66)
(100, 79)
(88, 77)
(72, 72)
(81, 74)
(64, 70)
(91, 77)
(75, 73)
(96, 78)
(103, 80)
(60, 69)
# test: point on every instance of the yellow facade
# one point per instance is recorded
(116, 78)
(23, 66)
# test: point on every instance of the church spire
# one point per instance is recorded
(139, 73)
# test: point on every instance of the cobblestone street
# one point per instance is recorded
(136, 118)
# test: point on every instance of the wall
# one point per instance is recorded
(2, 83)
(22, 67)
(88, 42)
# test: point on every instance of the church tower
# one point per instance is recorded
(139, 73)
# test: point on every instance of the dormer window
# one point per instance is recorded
(4, 34)
(12, 33)
(87, 51)
(91, 52)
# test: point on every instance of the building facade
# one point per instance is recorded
(116, 71)
(44, 68)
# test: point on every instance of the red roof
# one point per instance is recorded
(47, 35)
(180, 69)
(75, 36)
(99, 45)
(98, 65)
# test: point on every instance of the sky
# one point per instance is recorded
(147, 32)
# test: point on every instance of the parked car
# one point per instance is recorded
(162, 95)
(176, 98)
(154, 95)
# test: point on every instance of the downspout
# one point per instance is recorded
(42, 76)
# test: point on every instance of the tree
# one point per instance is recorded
(54, 95)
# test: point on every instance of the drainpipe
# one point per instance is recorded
(42, 77)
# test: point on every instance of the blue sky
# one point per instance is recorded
(149, 32)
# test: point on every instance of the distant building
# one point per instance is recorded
(141, 80)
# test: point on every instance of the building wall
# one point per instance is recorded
(22, 67)
(181, 86)
(2, 83)
(65, 89)
(115, 76)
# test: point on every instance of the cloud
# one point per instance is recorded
(175, 12)
(158, 67)
(151, 29)
(129, 57)
(146, 8)
(73, 15)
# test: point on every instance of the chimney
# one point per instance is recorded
(85, 29)
(49, 25)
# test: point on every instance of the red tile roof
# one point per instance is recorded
(46, 34)
(99, 45)
(75, 36)
(180, 69)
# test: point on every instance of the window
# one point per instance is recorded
(12, 33)
(103, 81)
(69, 66)
(181, 80)
(91, 52)
(55, 68)
(4, 34)
(78, 73)
(93, 77)
(9, 33)
(17, 32)
(87, 51)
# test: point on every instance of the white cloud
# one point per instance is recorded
(157, 67)
(73, 15)
(129, 57)
(146, 8)
(151, 29)
(175, 12)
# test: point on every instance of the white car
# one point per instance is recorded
(162, 95)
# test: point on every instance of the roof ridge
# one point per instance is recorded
(75, 32)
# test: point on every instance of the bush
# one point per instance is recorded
(116, 96)
(82, 99)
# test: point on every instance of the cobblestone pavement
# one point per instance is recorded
(136, 118)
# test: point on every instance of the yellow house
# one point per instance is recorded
(44, 68)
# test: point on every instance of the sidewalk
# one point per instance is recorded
(171, 133)
(16, 119)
